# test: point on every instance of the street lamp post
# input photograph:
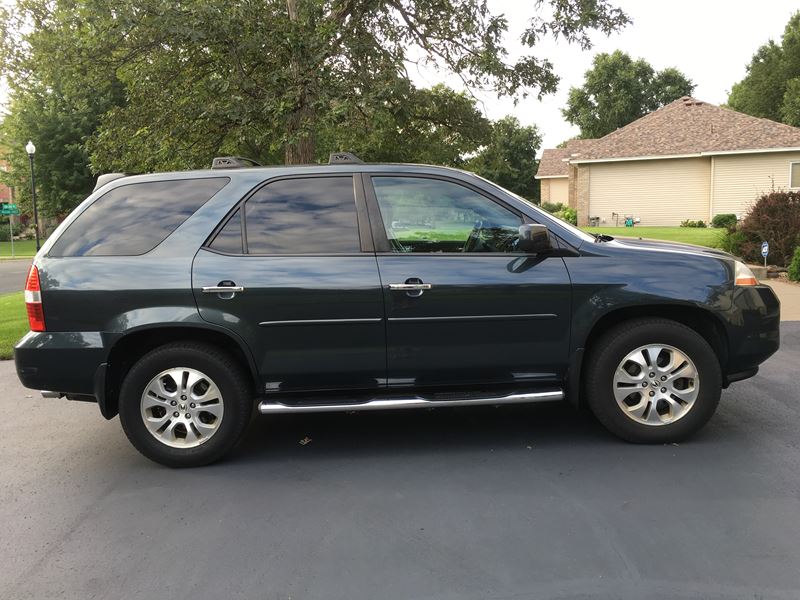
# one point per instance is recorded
(31, 150)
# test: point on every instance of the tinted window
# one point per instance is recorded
(316, 214)
(431, 215)
(229, 239)
(135, 218)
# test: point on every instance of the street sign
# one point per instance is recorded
(7, 208)
(765, 251)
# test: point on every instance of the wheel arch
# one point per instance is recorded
(129, 348)
(694, 317)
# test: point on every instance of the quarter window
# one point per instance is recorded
(308, 215)
(794, 175)
(135, 218)
(432, 215)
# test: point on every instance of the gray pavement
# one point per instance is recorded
(512, 503)
(12, 274)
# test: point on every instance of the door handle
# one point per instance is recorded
(224, 289)
(410, 286)
(413, 287)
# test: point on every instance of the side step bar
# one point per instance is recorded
(273, 408)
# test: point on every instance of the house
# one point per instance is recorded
(687, 160)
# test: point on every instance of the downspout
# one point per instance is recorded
(711, 194)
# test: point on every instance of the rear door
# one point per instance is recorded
(463, 306)
(305, 291)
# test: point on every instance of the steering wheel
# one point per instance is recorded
(474, 237)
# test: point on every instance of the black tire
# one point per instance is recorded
(609, 351)
(227, 374)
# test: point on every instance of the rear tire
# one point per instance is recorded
(653, 381)
(185, 404)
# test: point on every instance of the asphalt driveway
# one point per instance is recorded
(511, 503)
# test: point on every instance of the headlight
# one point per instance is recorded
(743, 275)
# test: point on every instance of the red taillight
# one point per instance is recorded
(33, 301)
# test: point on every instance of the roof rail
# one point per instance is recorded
(233, 162)
(341, 158)
(107, 178)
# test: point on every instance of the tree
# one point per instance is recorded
(509, 158)
(270, 77)
(770, 89)
(617, 90)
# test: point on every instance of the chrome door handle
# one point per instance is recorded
(410, 286)
(222, 289)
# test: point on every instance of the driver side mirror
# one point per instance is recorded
(534, 239)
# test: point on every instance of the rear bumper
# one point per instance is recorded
(754, 333)
(60, 361)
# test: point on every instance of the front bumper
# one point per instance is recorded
(61, 361)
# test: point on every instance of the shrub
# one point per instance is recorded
(726, 220)
(4, 237)
(794, 266)
(570, 215)
(732, 242)
(699, 224)
(553, 207)
(775, 217)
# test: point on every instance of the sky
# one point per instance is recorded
(711, 41)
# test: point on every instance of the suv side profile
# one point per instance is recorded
(182, 301)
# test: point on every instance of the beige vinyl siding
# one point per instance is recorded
(659, 192)
(740, 178)
(559, 190)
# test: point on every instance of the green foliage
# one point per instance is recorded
(509, 157)
(276, 80)
(697, 224)
(5, 231)
(561, 211)
(617, 90)
(726, 220)
(732, 241)
(794, 266)
(771, 88)
(775, 218)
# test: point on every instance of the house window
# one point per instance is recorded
(794, 175)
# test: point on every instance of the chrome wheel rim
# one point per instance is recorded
(182, 407)
(656, 384)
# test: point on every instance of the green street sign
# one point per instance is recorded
(6, 208)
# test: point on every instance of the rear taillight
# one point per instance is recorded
(33, 301)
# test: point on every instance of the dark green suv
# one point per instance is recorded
(181, 301)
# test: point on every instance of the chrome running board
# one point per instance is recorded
(390, 403)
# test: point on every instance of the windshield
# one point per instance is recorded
(574, 230)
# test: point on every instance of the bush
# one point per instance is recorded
(570, 215)
(4, 237)
(553, 207)
(794, 266)
(775, 218)
(732, 242)
(698, 224)
(725, 220)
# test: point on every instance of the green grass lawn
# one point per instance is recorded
(21, 248)
(13, 322)
(690, 235)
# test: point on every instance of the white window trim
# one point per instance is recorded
(791, 165)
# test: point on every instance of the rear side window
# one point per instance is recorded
(135, 218)
(299, 216)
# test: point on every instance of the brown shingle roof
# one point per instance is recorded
(553, 163)
(690, 126)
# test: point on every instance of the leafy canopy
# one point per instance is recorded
(617, 90)
(771, 88)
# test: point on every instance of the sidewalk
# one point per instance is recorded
(789, 295)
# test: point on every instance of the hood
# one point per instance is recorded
(672, 247)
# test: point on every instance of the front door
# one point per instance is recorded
(463, 306)
(310, 306)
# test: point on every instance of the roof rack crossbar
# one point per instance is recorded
(233, 162)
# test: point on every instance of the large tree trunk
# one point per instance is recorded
(300, 149)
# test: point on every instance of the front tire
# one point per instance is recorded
(185, 404)
(653, 381)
